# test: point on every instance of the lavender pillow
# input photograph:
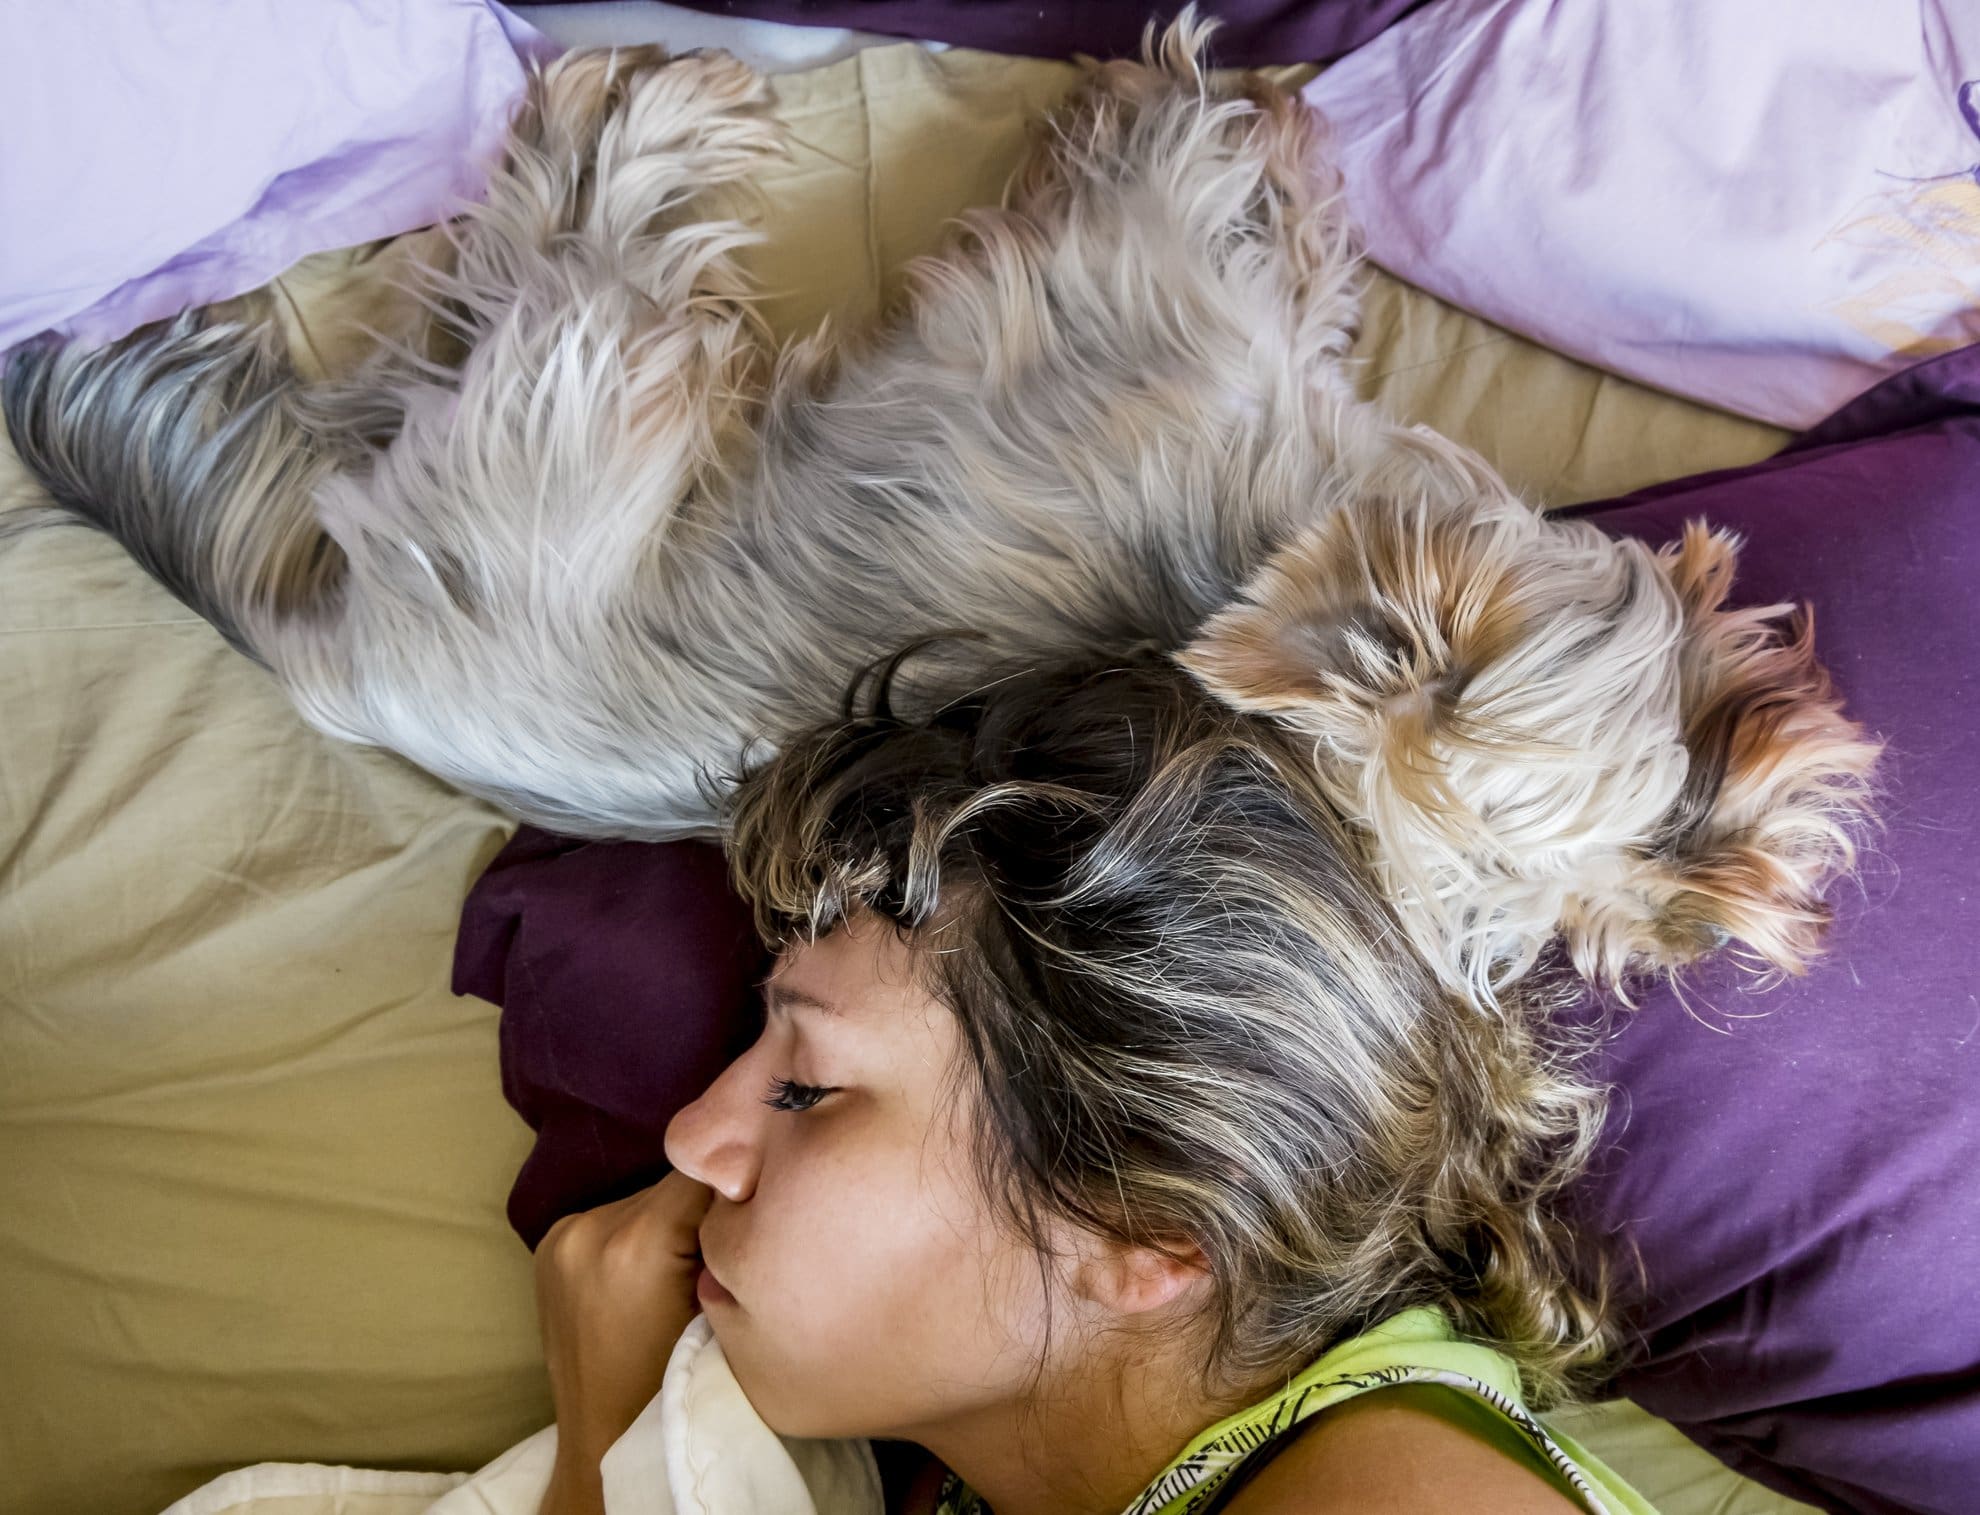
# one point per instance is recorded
(1766, 206)
(164, 156)
(1797, 1172)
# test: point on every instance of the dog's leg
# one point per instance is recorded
(441, 580)
(1207, 231)
(609, 148)
(607, 344)
(1110, 399)
(492, 625)
(1234, 178)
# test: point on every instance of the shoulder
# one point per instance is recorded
(1402, 1451)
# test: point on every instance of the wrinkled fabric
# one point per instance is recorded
(1250, 32)
(1798, 1172)
(698, 1448)
(1767, 206)
(596, 1058)
(160, 156)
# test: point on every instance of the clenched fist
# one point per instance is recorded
(614, 1291)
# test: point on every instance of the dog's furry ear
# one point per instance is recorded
(1543, 732)
(1778, 776)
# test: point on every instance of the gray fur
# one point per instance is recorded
(135, 438)
(616, 546)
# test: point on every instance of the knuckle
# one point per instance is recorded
(567, 1239)
(627, 1249)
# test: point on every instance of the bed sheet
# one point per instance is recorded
(253, 1153)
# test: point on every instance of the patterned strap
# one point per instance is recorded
(1210, 1476)
(1252, 1464)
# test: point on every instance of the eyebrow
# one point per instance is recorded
(779, 997)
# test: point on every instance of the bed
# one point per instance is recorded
(253, 1152)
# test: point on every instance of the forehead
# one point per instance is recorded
(780, 997)
(859, 972)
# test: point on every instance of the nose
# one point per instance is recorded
(718, 1139)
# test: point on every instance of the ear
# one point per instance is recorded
(1778, 776)
(1132, 1280)
(1492, 704)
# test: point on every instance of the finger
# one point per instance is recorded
(691, 1195)
(574, 1238)
(673, 1212)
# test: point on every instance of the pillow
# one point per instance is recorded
(1797, 1172)
(1766, 206)
(1251, 32)
(626, 974)
(179, 155)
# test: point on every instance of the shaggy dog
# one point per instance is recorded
(591, 544)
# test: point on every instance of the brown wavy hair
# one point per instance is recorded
(1188, 1013)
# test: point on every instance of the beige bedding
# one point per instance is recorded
(252, 1152)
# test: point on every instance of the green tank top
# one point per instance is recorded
(1416, 1347)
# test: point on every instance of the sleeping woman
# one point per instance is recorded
(1107, 1137)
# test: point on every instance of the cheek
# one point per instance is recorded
(880, 1297)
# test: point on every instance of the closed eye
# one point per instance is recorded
(786, 1095)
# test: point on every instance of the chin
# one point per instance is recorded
(786, 1396)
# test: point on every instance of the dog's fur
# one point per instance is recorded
(609, 544)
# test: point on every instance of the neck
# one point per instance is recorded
(1086, 1444)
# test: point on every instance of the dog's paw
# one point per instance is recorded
(707, 108)
(570, 100)
(649, 100)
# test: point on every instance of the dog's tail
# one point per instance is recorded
(182, 442)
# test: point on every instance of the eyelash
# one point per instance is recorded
(786, 1095)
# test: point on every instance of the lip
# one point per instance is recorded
(709, 1291)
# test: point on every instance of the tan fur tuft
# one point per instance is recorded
(1544, 733)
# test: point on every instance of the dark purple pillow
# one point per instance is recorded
(1798, 1172)
(1252, 32)
(626, 974)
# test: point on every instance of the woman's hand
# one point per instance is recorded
(614, 1291)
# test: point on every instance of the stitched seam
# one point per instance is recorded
(1445, 357)
(20, 631)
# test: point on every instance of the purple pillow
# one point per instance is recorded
(1252, 32)
(1799, 1170)
(1797, 1173)
(627, 975)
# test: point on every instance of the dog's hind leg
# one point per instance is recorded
(196, 446)
(608, 147)
(608, 348)
(492, 620)
(429, 553)
(1102, 412)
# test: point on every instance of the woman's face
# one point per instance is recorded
(861, 1284)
